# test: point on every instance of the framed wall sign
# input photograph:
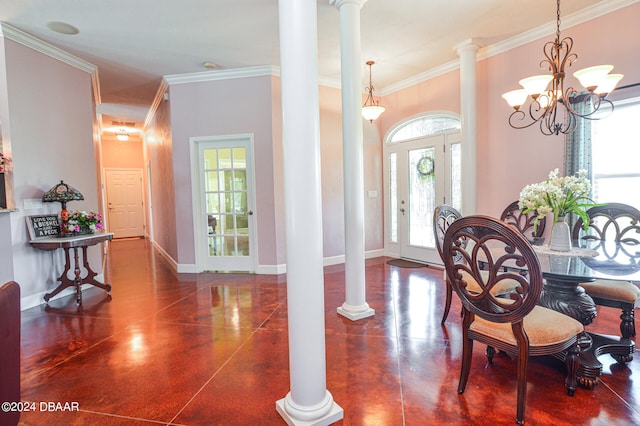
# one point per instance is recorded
(46, 225)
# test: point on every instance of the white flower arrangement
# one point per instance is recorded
(558, 195)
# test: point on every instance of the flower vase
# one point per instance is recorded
(560, 236)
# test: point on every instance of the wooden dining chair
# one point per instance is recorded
(614, 222)
(514, 324)
(443, 216)
(523, 222)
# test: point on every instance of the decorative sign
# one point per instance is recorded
(43, 226)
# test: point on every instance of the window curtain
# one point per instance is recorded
(578, 145)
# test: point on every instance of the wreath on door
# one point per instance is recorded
(425, 168)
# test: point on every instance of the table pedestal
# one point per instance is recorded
(74, 243)
(77, 281)
(566, 296)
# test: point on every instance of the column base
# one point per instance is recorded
(328, 414)
(355, 313)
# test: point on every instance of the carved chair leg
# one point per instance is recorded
(523, 361)
(628, 325)
(572, 362)
(447, 304)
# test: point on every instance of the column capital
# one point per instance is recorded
(339, 3)
(470, 45)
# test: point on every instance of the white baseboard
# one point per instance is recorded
(33, 300)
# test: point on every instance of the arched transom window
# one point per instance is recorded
(424, 125)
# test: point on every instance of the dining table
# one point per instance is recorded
(588, 261)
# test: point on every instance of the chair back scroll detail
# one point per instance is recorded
(514, 216)
(610, 222)
(476, 243)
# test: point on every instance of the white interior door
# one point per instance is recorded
(225, 217)
(125, 206)
(421, 174)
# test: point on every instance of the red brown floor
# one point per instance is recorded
(211, 349)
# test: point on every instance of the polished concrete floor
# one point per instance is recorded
(211, 349)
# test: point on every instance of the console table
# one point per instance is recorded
(75, 243)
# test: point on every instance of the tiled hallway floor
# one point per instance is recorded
(211, 349)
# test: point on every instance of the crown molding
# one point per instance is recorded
(12, 33)
(26, 39)
(216, 75)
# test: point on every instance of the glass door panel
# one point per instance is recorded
(227, 200)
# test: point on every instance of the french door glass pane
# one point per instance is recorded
(422, 198)
(226, 201)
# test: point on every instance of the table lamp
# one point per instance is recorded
(62, 193)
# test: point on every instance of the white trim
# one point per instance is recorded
(194, 147)
(217, 75)
(37, 299)
(25, 39)
(426, 114)
(12, 33)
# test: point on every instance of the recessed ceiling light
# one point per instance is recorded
(62, 28)
(210, 65)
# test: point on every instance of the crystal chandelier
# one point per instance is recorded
(371, 110)
(546, 106)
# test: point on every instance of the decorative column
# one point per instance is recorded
(355, 307)
(308, 402)
(468, 114)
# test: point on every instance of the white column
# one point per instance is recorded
(468, 114)
(308, 402)
(355, 306)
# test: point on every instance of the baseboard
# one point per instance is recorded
(37, 299)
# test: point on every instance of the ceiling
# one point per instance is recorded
(135, 43)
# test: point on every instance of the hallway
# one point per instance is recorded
(211, 349)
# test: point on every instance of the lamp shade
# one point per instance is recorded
(62, 193)
(537, 84)
(591, 77)
(608, 84)
(515, 98)
(372, 112)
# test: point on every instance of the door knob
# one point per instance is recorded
(250, 213)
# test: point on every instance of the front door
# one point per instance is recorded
(225, 217)
(421, 174)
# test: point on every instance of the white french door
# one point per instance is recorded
(420, 174)
(224, 204)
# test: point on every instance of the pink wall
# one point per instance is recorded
(159, 153)
(122, 154)
(47, 118)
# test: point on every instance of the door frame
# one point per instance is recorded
(196, 194)
(394, 248)
(143, 215)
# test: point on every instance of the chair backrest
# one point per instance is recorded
(443, 216)
(502, 253)
(610, 222)
(524, 223)
(10, 349)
